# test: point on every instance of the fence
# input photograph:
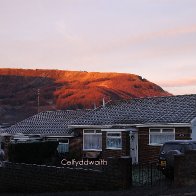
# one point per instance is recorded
(119, 174)
(148, 175)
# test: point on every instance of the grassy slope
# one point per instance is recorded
(65, 90)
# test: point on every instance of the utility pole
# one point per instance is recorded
(38, 101)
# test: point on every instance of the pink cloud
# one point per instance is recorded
(176, 31)
(124, 42)
(178, 83)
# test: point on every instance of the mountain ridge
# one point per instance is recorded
(63, 89)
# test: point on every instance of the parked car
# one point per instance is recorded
(169, 150)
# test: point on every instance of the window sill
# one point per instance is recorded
(98, 150)
(113, 148)
(155, 144)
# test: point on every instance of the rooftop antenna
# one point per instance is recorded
(103, 103)
(38, 101)
(95, 106)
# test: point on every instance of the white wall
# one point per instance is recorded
(193, 126)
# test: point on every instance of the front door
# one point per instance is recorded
(134, 147)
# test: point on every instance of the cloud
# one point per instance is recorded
(180, 86)
(175, 31)
(112, 44)
(178, 83)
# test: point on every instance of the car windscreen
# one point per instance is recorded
(181, 147)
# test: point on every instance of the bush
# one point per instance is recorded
(35, 152)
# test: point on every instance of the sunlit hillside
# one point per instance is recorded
(65, 90)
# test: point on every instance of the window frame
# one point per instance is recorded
(162, 133)
(116, 137)
(95, 132)
(66, 142)
(60, 140)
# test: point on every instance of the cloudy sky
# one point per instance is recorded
(152, 38)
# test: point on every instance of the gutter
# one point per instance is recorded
(90, 126)
(133, 125)
(60, 136)
(165, 125)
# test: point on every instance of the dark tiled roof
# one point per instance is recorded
(171, 109)
(47, 123)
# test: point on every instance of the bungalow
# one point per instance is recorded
(136, 127)
(49, 125)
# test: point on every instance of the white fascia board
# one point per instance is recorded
(132, 125)
(59, 136)
(31, 134)
(119, 130)
(165, 125)
(155, 125)
(90, 126)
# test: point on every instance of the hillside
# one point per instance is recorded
(65, 90)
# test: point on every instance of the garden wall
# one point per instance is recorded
(17, 177)
(185, 169)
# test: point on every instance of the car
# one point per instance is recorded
(169, 150)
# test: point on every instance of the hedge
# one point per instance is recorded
(35, 152)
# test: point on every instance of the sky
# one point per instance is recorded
(155, 39)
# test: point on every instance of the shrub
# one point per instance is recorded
(35, 152)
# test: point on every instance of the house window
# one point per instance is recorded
(159, 136)
(63, 146)
(92, 140)
(113, 140)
